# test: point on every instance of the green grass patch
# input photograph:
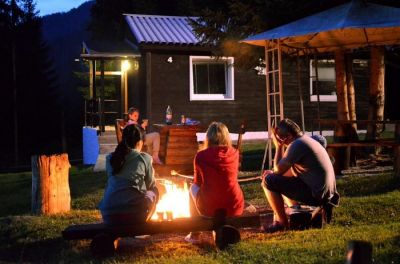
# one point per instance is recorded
(368, 211)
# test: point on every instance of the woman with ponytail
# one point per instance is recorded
(130, 195)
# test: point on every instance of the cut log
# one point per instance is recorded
(181, 225)
(50, 185)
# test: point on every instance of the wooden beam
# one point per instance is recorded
(341, 88)
(351, 93)
(376, 91)
(148, 86)
(182, 225)
(342, 156)
(317, 90)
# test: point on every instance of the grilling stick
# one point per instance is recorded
(248, 179)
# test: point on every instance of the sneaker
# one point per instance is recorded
(274, 227)
(249, 208)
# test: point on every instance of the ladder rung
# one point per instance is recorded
(273, 93)
(272, 50)
(273, 71)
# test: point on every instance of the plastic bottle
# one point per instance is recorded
(168, 116)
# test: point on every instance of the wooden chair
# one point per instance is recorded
(238, 145)
(119, 126)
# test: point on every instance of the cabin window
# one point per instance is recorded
(211, 78)
(326, 81)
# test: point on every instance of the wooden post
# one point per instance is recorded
(351, 97)
(351, 93)
(148, 103)
(93, 96)
(376, 92)
(341, 86)
(102, 97)
(50, 186)
(342, 156)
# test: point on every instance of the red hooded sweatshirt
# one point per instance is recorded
(216, 173)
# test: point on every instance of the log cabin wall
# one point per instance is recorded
(136, 87)
(170, 86)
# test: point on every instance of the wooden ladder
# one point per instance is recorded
(274, 92)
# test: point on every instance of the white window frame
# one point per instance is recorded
(229, 79)
(322, 97)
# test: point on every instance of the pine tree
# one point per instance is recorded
(37, 104)
(224, 25)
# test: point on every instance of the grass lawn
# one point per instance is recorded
(369, 211)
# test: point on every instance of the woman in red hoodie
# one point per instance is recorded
(216, 175)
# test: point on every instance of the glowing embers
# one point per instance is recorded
(174, 201)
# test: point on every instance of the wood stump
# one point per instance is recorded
(50, 186)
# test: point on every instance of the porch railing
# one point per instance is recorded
(98, 116)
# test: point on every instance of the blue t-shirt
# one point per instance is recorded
(311, 163)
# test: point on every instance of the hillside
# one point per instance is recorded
(64, 33)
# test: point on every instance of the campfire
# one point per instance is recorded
(174, 203)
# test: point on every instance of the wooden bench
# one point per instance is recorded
(104, 238)
(393, 142)
(119, 126)
(379, 143)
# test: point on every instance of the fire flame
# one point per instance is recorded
(174, 203)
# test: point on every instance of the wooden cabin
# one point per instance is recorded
(169, 66)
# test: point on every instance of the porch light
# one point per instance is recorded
(125, 65)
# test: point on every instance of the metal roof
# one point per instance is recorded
(153, 29)
(109, 49)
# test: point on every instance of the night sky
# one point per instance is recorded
(46, 7)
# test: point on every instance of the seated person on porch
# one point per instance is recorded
(302, 173)
(152, 140)
(131, 194)
(216, 175)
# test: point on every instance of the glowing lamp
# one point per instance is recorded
(125, 65)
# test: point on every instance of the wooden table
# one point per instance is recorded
(178, 147)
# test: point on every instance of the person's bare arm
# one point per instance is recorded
(280, 165)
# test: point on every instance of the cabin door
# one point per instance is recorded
(112, 96)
